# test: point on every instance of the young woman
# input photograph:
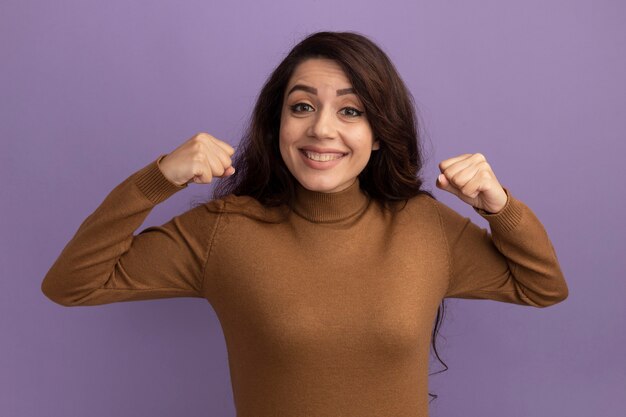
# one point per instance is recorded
(324, 258)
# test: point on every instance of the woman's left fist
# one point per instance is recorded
(470, 178)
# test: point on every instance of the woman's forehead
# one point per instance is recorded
(319, 76)
(319, 70)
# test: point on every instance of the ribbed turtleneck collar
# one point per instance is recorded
(320, 207)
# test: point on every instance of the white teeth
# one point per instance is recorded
(322, 157)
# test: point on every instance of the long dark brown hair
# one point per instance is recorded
(392, 173)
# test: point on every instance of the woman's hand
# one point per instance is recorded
(200, 158)
(470, 178)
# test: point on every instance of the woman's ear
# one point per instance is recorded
(376, 145)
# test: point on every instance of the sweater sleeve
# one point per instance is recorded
(105, 262)
(515, 263)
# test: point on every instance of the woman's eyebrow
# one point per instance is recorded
(313, 90)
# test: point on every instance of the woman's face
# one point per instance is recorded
(325, 137)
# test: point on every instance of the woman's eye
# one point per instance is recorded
(352, 112)
(299, 107)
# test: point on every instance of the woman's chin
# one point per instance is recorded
(323, 185)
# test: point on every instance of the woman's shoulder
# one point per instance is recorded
(246, 206)
(421, 208)
(419, 202)
(430, 207)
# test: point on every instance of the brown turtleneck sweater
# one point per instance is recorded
(327, 311)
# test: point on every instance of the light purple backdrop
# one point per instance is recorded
(91, 91)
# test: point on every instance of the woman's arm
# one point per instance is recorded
(516, 263)
(105, 263)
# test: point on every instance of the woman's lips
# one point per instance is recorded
(321, 160)
(322, 156)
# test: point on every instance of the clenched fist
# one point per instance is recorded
(470, 178)
(199, 159)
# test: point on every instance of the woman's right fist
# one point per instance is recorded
(199, 159)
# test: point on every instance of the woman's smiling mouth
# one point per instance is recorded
(321, 160)
(322, 157)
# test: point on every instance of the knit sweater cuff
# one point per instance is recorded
(154, 185)
(506, 219)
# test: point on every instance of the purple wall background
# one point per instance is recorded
(92, 91)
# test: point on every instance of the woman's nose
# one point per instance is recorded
(323, 125)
